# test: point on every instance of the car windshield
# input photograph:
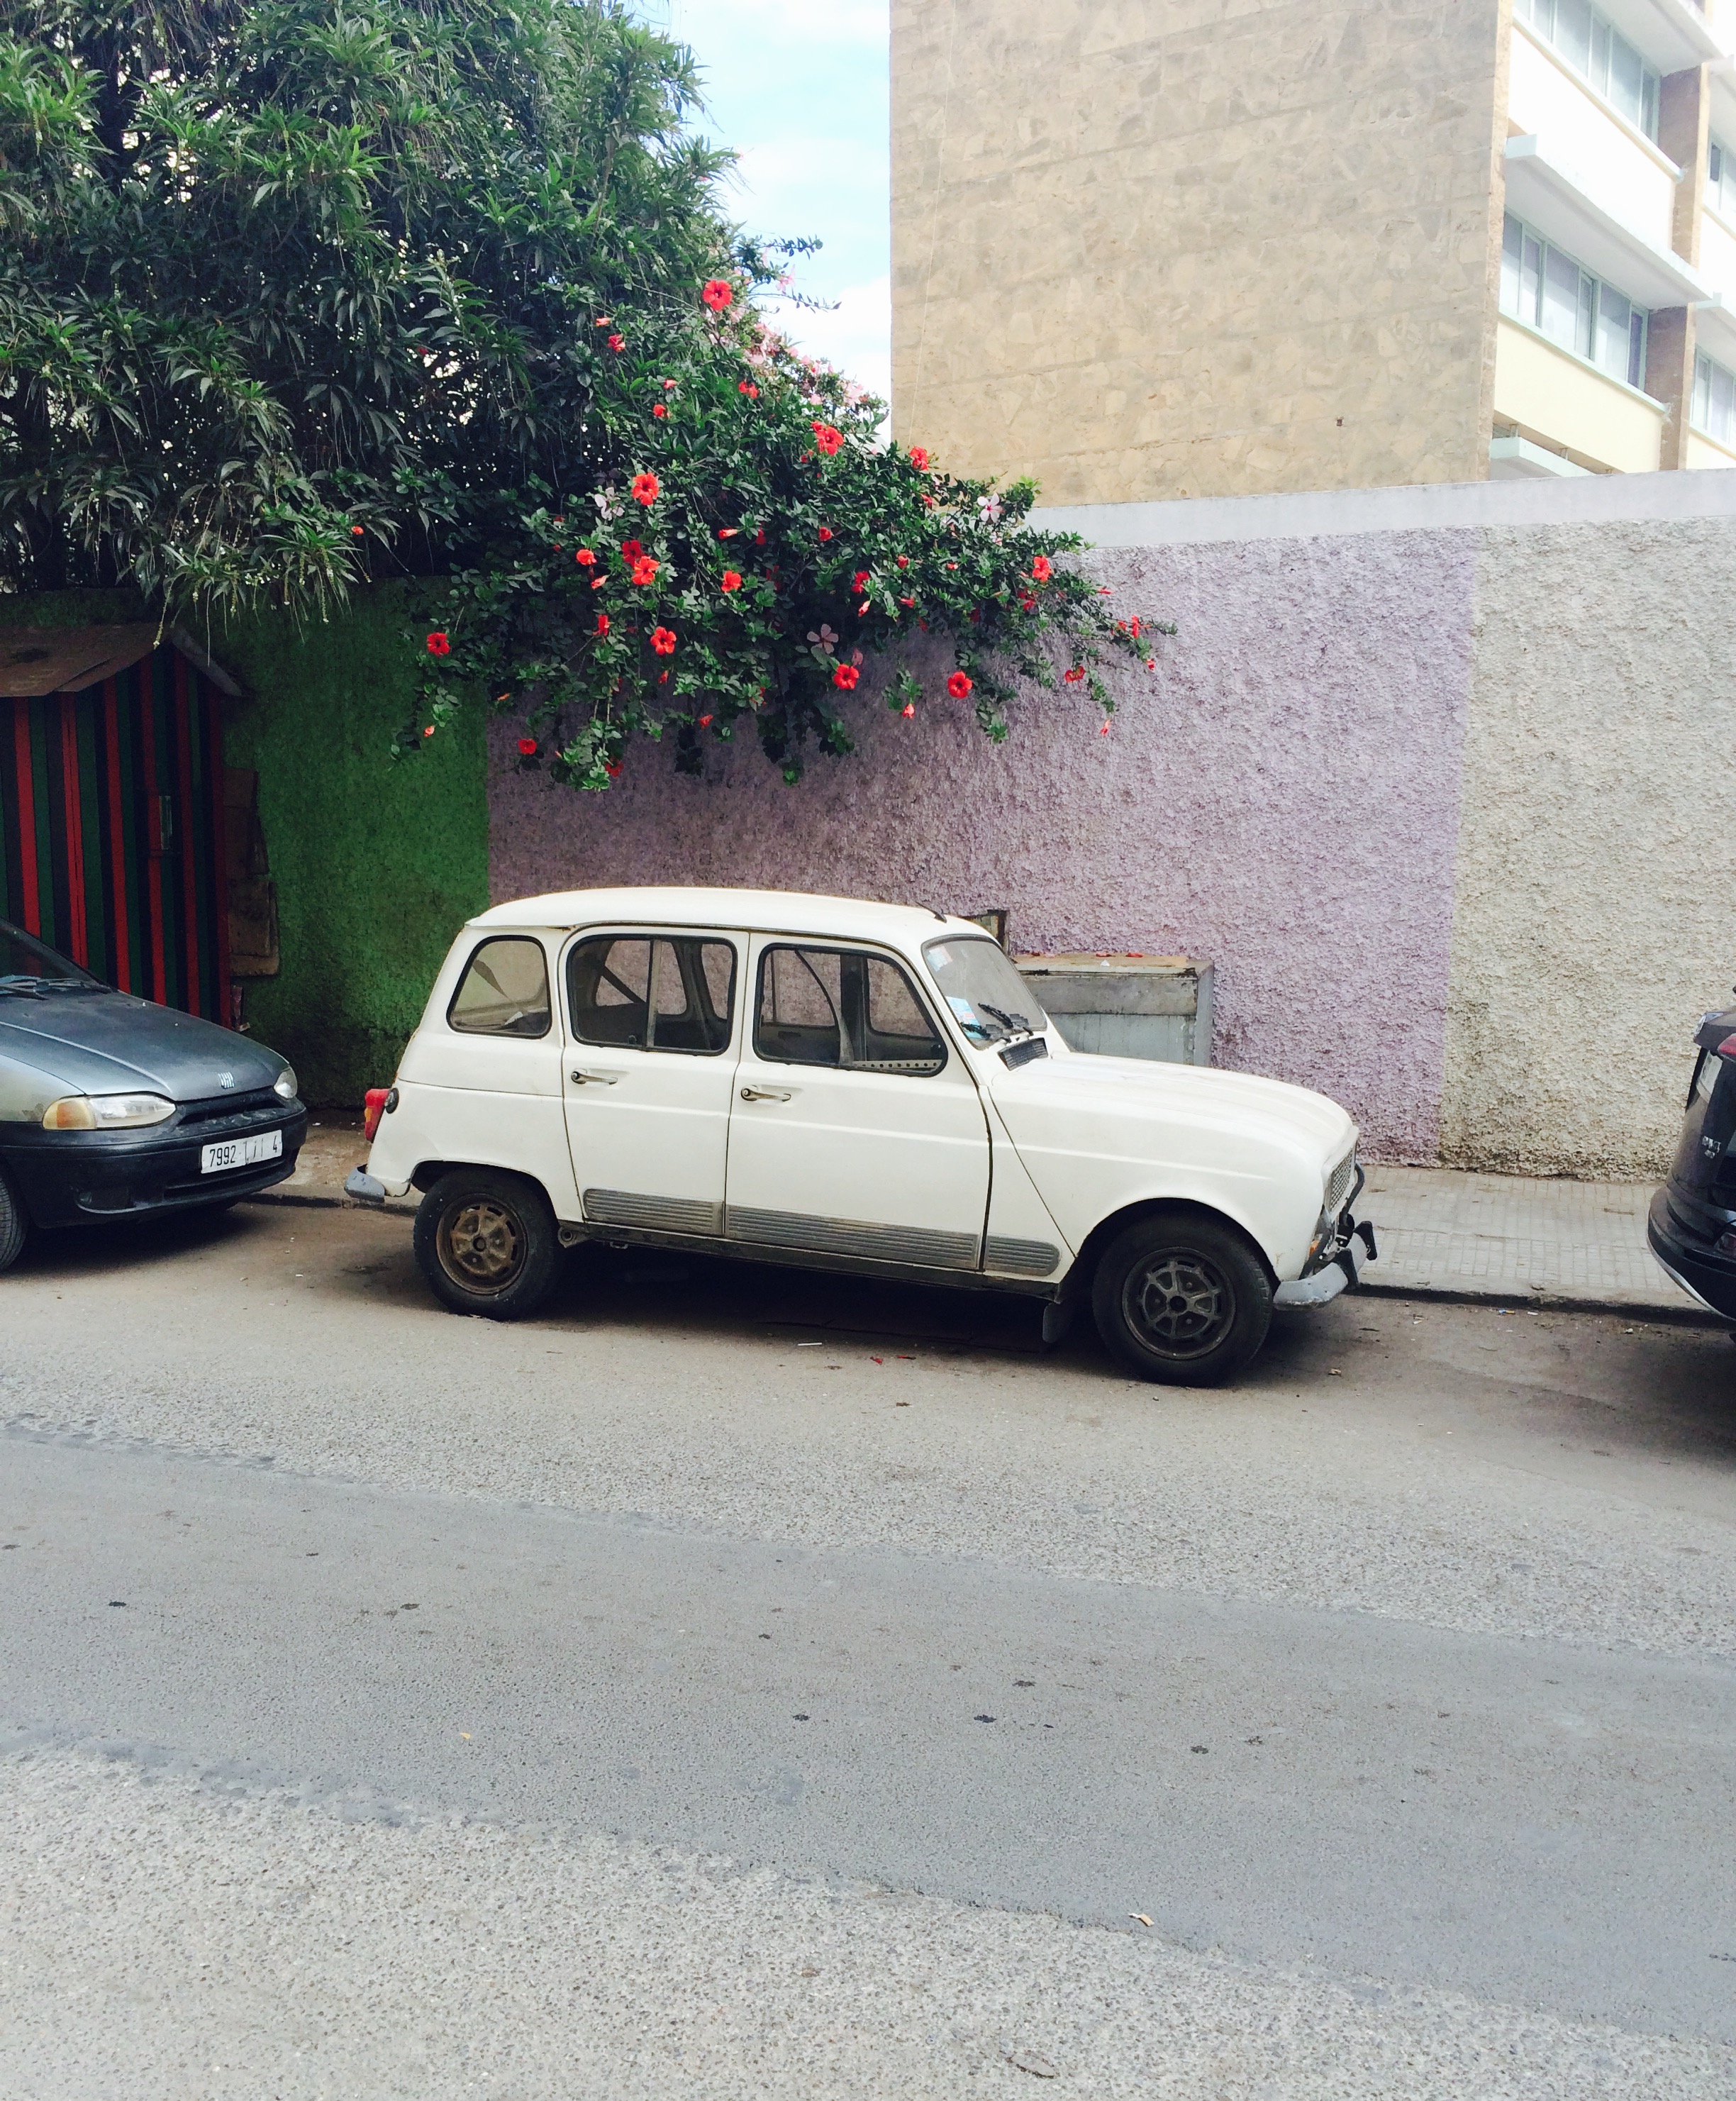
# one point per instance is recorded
(992, 1001)
(29, 966)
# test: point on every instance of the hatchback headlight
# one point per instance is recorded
(106, 1111)
(284, 1083)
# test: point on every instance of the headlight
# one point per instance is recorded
(284, 1083)
(105, 1112)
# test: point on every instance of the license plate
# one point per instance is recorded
(240, 1153)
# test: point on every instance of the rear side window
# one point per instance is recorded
(833, 1007)
(504, 991)
(652, 992)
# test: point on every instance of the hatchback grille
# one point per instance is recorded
(232, 1113)
(1339, 1183)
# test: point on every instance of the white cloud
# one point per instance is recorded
(856, 336)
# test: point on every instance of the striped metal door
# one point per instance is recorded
(112, 803)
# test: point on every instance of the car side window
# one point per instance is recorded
(645, 992)
(836, 1006)
(504, 991)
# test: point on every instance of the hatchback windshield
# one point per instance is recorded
(29, 966)
(993, 1001)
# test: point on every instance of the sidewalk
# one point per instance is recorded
(1441, 1233)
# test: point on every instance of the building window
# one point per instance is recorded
(1714, 410)
(1550, 291)
(1721, 179)
(1600, 54)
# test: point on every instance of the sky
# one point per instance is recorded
(798, 88)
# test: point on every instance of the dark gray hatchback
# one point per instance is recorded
(111, 1107)
(1693, 1223)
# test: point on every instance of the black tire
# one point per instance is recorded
(1183, 1299)
(486, 1242)
(12, 1225)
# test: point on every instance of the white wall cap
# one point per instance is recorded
(1510, 458)
(1433, 506)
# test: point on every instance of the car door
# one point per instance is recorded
(650, 1054)
(855, 1130)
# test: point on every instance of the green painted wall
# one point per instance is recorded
(377, 865)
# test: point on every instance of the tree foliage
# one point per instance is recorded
(298, 292)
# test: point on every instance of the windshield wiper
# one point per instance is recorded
(31, 988)
(1015, 1024)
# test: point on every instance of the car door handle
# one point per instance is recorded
(600, 1079)
(767, 1094)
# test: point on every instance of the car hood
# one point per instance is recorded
(1144, 1091)
(96, 1043)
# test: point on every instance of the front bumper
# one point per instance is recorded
(80, 1177)
(1697, 1267)
(1341, 1267)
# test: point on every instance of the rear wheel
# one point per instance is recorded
(11, 1224)
(486, 1242)
(1183, 1299)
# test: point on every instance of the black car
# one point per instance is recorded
(1693, 1223)
(113, 1108)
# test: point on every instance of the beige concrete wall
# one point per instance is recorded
(1146, 248)
(1595, 901)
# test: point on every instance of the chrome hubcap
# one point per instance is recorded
(1179, 1305)
(482, 1244)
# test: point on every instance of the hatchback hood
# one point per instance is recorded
(1139, 1089)
(98, 1043)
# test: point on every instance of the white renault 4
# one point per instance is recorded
(840, 1084)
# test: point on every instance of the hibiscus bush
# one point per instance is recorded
(733, 543)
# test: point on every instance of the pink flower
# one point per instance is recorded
(958, 685)
(439, 645)
(845, 678)
(717, 294)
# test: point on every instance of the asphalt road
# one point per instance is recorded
(1393, 1689)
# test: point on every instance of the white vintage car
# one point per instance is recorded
(839, 1085)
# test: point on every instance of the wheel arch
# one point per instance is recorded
(1108, 1229)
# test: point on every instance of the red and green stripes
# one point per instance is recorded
(113, 808)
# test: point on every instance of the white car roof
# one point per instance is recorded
(749, 911)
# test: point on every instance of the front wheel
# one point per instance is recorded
(11, 1224)
(487, 1243)
(1183, 1299)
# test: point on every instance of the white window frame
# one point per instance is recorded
(1700, 401)
(1543, 18)
(1590, 291)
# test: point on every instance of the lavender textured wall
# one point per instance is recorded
(1282, 797)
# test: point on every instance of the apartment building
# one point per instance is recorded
(1146, 249)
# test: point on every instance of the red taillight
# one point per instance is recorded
(374, 1107)
(1727, 1048)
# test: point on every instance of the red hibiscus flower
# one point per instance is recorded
(958, 685)
(663, 641)
(908, 709)
(630, 551)
(602, 623)
(357, 531)
(667, 383)
(1029, 602)
(759, 537)
(845, 678)
(439, 645)
(859, 579)
(717, 294)
(611, 767)
(1133, 627)
(919, 458)
(1104, 731)
(825, 534)
(727, 532)
(732, 580)
(645, 570)
(618, 342)
(1042, 569)
(657, 409)
(828, 438)
(1075, 675)
(587, 558)
(646, 489)
(429, 730)
(527, 747)
(903, 561)
(704, 722)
